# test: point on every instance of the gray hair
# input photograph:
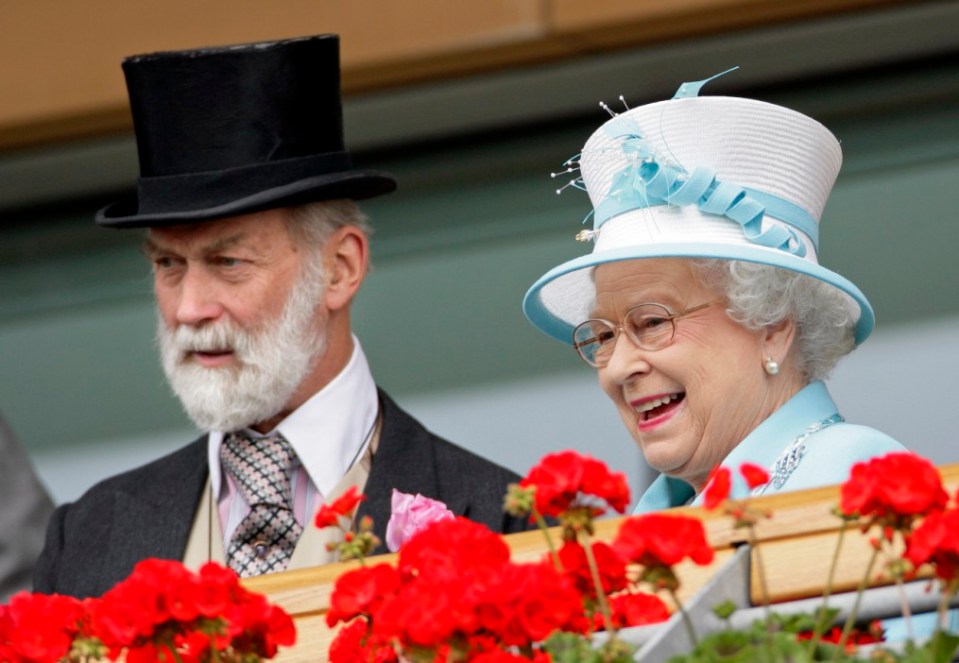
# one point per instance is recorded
(311, 224)
(762, 295)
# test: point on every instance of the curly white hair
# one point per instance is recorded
(761, 295)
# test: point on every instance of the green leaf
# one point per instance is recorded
(571, 648)
(724, 610)
(942, 646)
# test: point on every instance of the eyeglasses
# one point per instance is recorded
(649, 326)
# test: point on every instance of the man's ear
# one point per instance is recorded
(347, 258)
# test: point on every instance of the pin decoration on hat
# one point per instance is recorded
(238, 129)
(698, 177)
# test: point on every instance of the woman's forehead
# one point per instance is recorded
(672, 282)
(654, 277)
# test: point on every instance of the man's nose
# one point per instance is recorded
(198, 301)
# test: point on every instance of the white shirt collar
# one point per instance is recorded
(329, 431)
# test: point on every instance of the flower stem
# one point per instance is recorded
(686, 620)
(176, 654)
(851, 619)
(761, 569)
(544, 528)
(948, 590)
(906, 612)
(598, 583)
(820, 626)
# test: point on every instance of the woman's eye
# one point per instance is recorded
(651, 325)
(605, 336)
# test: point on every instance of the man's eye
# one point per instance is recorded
(163, 262)
(227, 261)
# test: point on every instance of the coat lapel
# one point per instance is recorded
(159, 508)
(405, 460)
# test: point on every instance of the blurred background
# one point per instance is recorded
(471, 105)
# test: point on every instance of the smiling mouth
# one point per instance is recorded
(658, 406)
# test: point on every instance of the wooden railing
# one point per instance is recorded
(796, 543)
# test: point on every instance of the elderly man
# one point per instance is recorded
(258, 249)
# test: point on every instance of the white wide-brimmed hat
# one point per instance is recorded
(699, 177)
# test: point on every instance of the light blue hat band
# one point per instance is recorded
(650, 179)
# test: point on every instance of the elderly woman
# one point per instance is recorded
(702, 306)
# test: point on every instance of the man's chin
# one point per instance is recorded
(226, 399)
(221, 415)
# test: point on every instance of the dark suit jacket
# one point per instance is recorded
(95, 542)
(23, 514)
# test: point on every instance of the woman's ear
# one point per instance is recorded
(347, 259)
(777, 340)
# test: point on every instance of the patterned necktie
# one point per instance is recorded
(264, 540)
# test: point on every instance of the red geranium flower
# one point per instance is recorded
(718, 485)
(38, 627)
(527, 602)
(353, 644)
(359, 591)
(561, 478)
(858, 636)
(754, 475)
(258, 627)
(426, 612)
(657, 539)
(895, 486)
(936, 541)
(637, 609)
(611, 567)
(458, 547)
(329, 514)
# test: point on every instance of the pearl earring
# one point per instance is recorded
(771, 366)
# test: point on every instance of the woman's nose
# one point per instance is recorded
(627, 359)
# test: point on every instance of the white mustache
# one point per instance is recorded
(219, 337)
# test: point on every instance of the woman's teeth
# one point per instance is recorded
(655, 403)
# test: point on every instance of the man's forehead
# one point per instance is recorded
(222, 233)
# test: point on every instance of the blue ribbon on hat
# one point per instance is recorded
(651, 179)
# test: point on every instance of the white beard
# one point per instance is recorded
(273, 360)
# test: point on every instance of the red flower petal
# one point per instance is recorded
(754, 475)
(718, 485)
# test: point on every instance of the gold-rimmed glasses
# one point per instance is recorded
(649, 326)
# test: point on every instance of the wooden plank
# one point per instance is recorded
(617, 17)
(60, 73)
(60, 76)
(796, 545)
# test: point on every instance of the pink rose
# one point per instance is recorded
(411, 514)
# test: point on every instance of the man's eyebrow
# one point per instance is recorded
(225, 243)
(152, 248)
(149, 248)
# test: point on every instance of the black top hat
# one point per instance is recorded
(238, 129)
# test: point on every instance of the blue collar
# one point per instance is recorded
(762, 447)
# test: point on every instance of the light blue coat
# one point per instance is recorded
(826, 458)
